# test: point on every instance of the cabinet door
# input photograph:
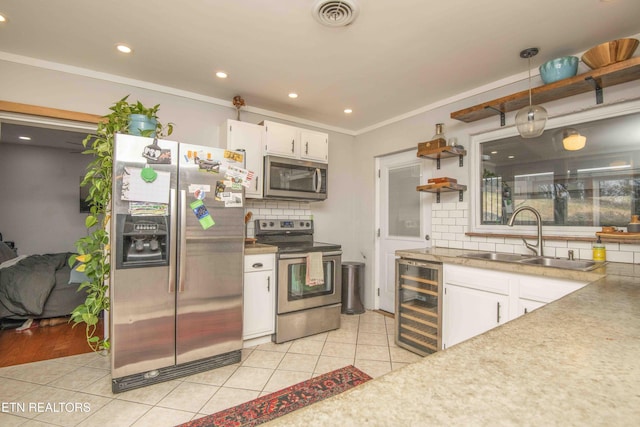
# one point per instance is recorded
(470, 312)
(527, 306)
(259, 304)
(250, 138)
(314, 146)
(281, 140)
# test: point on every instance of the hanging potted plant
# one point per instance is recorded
(93, 250)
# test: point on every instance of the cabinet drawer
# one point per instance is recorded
(259, 262)
(477, 278)
(546, 289)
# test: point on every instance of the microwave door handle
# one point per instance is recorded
(317, 180)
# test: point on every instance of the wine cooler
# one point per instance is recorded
(418, 319)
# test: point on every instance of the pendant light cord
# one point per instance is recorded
(530, 103)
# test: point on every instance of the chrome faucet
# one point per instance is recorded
(537, 248)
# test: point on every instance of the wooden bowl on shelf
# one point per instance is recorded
(609, 53)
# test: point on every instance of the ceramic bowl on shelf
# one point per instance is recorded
(609, 53)
(559, 69)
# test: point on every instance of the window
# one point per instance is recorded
(595, 186)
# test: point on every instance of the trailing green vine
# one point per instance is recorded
(93, 250)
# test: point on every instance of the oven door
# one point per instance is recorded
(293, 292)
(294, 179)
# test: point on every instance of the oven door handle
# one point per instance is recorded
(304, 255)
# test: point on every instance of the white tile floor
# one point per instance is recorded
(76, 390)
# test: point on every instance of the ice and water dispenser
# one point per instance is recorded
(142, 241)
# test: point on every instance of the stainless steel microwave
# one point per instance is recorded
(294, 179)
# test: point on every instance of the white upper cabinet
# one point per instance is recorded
(314, 146)
(296, 143)
(281, 140)
(247, 137)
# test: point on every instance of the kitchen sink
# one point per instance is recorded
(568, 264)
(495, 256)
(571, 264)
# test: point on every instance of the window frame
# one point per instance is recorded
(475, 174)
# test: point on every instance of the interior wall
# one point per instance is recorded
(196, 121)
(40, 198)
(408, 132)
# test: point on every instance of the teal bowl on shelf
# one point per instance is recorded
(558, 69)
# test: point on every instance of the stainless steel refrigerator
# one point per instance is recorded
(177, 243)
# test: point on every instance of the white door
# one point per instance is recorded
(404, 218)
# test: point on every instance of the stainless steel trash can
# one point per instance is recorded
(352, 287)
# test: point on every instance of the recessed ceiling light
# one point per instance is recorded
(3, 18)
(348, 110)
(293, 95)
(494, 152)
(25, 138)
(123, 48)
(511, 157)
(221, 75)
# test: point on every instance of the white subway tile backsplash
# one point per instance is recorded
(504, 248)
(491, 247)
(585, 254)
(471, 246)
(449, 221)
(620, 256)
(456, 229)
(456, 214)
(441, 243)
(581, 245)
(556, 243)
(456, 244)
(449, 206)
(462, 221)
(627, 248)
(436, 221)
(495, 240)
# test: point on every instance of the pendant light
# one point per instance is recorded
(572, 140)
(531, 119)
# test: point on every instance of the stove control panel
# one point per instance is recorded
(284, 224)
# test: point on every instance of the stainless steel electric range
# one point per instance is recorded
(302, 309)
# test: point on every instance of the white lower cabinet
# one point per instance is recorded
(259, 300)
(476, 299)
(469, 312)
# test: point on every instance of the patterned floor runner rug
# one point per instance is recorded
(274, 405)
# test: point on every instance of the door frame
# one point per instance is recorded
(425, 223)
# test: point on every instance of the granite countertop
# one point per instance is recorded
(259, 248)
(574, 361)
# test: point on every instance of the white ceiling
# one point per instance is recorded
(397, 57)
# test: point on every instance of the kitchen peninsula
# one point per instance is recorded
(571, 362)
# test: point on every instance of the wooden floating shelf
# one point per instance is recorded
(442, 153)
(443, 187)
(595, 80)
(619, 236)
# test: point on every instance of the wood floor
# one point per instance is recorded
(42, 343)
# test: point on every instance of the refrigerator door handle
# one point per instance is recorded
(172, 245)
(183, 241)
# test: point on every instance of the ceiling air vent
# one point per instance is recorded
(335, 13)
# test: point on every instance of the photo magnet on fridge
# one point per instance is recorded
(201, 212)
